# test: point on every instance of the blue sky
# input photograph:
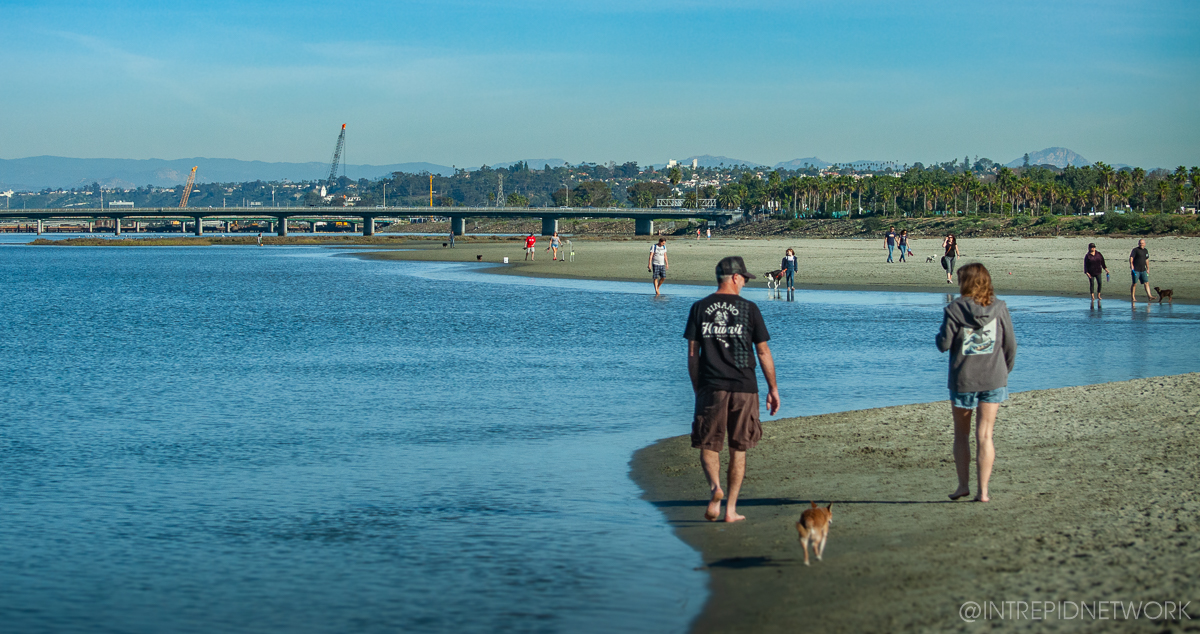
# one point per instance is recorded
(466, 83)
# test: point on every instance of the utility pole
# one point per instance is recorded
(500, 192)
(431, 191)
(385, 194)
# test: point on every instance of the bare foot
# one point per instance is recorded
(960, 493)
(982, 498)
(713, 513)
(733, 517)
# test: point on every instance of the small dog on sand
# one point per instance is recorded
(1165, 293)
(773, 278)
(814, 527)
(929, 259)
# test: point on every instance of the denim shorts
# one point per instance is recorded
(1141, 277)
(971, 400)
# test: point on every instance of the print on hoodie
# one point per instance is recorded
(981, 341)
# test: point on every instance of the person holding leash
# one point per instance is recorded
(658, 264)
(1139, 268)
(789, 267)
(725, 333)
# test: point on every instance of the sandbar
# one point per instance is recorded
(1093, 499)
(1026, 266)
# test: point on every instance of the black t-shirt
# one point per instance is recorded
(1139, 256)
(891, 237)
(727, 328)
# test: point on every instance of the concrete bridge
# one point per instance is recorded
(643, 218)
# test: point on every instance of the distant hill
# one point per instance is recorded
(802, 163)
(39, 172)
(534, 164)
(1056, 156)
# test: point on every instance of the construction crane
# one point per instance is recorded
(337, 155)
(187, 189)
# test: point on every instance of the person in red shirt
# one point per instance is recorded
(529, 243)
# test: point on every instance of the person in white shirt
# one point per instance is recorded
(658, 263)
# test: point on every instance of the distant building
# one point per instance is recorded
(121, 203)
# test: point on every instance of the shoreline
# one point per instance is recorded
(1074, 500)
(1041, 267)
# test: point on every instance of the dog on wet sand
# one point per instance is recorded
(814, 527)
(1164, 293)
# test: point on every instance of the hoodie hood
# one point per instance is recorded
(965, 311)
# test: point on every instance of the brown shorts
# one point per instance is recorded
(718, 411)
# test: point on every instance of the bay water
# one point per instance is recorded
(244, 439)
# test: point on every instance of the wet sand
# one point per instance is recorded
(1093, 498)
(1033, 266)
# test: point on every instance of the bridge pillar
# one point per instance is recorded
(199, 226)
(368, 225)
(549, 226)
(39, 226)
(458, 225)
(643, 227)
(282, 226)
(117, 226)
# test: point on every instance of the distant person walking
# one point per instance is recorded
(1093, 264)
(903, 244)
(555, 243)
(530, 244)
(260, 238)
(789, 267)
(977, 330)
(697, 234)
(708, 234)
(658, 263)
(1139, 268)
(950, 244)
(890, 240)
(725, 334)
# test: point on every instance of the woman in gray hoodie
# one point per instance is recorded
(978, 332)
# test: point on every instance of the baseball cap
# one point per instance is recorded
(1091, 245)
(733, 265)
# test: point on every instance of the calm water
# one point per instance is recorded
(240, 439)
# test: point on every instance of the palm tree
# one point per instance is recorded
(1163, 188)
(1106, 179)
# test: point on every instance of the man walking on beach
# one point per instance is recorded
(529, 245)
(890, 239)
(725, 333)
(658, 263)
(1139, 269)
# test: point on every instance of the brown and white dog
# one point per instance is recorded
(1165, 293)
(773, 278)
(814, 527)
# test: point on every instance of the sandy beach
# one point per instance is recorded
(1093, 499)
(1035, 266)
